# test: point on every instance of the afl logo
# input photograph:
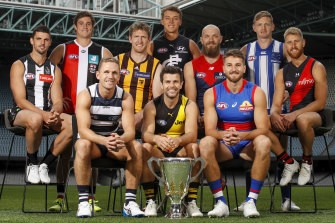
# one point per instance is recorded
(222, 105)
(251, 58)
(73, 56)
(201, 75)
(30, 76)
(124, 72)
(161, 122)
(162, 50)
(288, 84)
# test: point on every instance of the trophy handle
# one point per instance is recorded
(152, 169)
(202, 161)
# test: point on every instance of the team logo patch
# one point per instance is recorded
(246, 106)
(93, 59)
(222, 105)
(47, 70)
(30, 76)
(200, 75)
(251, 58)
(275, 57)
(288, 84)
(92, 68)
(139, 74)
(83, 51)
(73, 56)
(219, 75)
(161, 122)
(46, 78)
(124, 72)
(162, 50)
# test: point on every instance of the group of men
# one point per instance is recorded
(140, 92)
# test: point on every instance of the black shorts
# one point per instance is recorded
(172, 154)
(103, 149)
(12, 114)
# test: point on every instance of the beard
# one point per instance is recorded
(212, 51)
(235, 79)
(295, 55)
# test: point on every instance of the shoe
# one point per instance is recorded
(84, 210)
(132, 210)
(192, 209)
(151, 209)
(96, 207)
(250, 210)
(241, 207)
(57, 207)
(305, 173)
(220, 210)
(43, 171)
(32, 174)
(288, 172)
(285, 206)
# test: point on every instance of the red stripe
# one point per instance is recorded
(239, 126)
(216, 190)
(254, 191)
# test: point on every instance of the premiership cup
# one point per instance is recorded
(176, 177)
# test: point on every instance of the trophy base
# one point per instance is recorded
(177, 211)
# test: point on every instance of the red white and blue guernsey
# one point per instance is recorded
(263, 65)
(235, 110)
(79, 66)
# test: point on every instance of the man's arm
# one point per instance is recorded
(128, 118)
(156, 83)
(244, 50)
(57, 54)
(190, 84)
(106, 53)
(194, 49)
(277, 103)
(56, 92)
(150, 48)
(210, 116)
(148, 126)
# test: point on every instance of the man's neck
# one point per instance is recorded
(264, 42)
(83, 42)
(212, 60)
(138, 57)
(171, 36)
(171, 102)
(297, 62)
(38, 58)
(106, 93)
(235, 87)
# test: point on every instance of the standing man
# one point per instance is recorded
(264, 57)
(169, 130)
(139, 70)
(305, 80)
(98, 111)
(205, 71)
(173, 49)
(78, 60)
(36, 86)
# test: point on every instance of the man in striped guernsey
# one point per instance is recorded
(169, 130)
(78, 60)
(98, 110)
(36, 86)
(139, 70)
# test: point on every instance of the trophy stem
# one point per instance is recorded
(176, 211)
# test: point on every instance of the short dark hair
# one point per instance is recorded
(108, 59)
(139, 26)
(83, 14)
(173, 9)
(41, 28)
(234, 53)
(171, 70)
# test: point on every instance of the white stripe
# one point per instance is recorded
(108, 110)
(253, 195)
(252, 52)
(82, 68)
(263, 75)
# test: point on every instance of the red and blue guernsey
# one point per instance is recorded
(235, 110)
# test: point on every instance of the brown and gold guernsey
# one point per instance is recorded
(137, 78)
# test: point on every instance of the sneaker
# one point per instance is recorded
(32, 174)
(151, 209)
(57, 207)
(220, 210)
(96, 207)
(192, 209)
(285, 206)
(84, 210)
(132, 210)
(250, 210)
(43, 171)
(241, 207)
(304, 174)
(288, 172)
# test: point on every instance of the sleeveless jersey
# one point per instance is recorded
(105, 113)
(170, 121)
(299, 82)
(235, 110)
(79, 66)
(263, 65)
(137, 79)
(38, 81)
(206, 75)
(173, 53)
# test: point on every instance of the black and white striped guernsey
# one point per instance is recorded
(38, 81)
(105, 113)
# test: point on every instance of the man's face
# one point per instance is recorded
(171, 21)
(263, 27)
(211, 40)
(84, 27)
(41, 42)
(171, 85)
(234, 69)
(139, 41)
(294, 45)
(108, 75)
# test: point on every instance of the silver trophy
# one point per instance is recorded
(176, 177)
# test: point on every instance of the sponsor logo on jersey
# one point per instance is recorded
(177, 122)
(251, 58)
(162, 50)
(306, 82)
(288, 84)
(246, 106)
(46, 78)
(200, 75)
(92, 68)
(263, 53)
(30, 76)
(124, 72)
(275, 57)
(219, 75)
(83, 51)
(139, 74)
(181, 49)
(93, 59)
(222, 105)
(73, 56)
(211, 68)
(161, 122)
(297, 74)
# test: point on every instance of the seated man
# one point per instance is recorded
(36, 86)
(169, 130)
(305, 80)
(233, 130)
(98, 110)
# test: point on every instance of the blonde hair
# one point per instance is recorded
(262, 14)
(293, 31)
